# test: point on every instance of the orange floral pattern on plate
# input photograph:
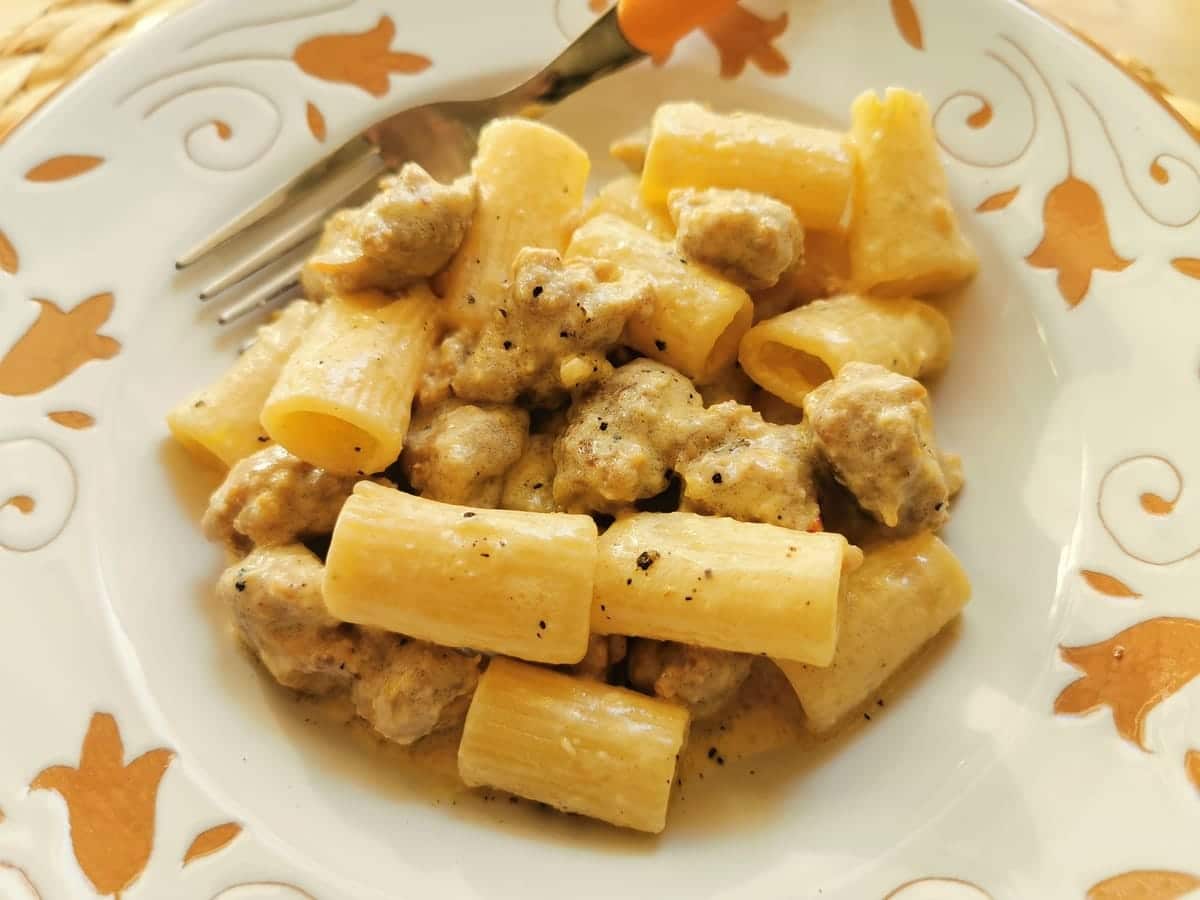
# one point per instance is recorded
(211, 841)
(908, 23)
(1156, 505)
(1144, 885)
(740, 36)
(10, 262)
(364, 60)
(316, 121)
(1107, 584)
(998, 201)
(1076, 241)
(60, 168)
(22, 503)
(111, 805)
(1191, 765)
(1132, 672)
(72, 418)
(57, 344)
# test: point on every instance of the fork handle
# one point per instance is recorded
(654, 26)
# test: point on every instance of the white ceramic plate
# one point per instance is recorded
(1049, 751)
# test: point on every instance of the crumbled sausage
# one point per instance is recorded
(701, 678)
(737, 465)
(953, 468)
(603, 652)
(407, 688)
(731, 383)
(459, 452)
(558, 321)
(275, 596)
(407, 231)
(622, 438)
(271, 497)
(874, 428)
(529, 484)
(751, 239)
(441, 365)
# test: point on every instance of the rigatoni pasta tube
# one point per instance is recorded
(809, 169)
(530, 181)
(904, 593)
(721, 583)
(344, 399)
(793, 353)
(579, 746)
(221, 423)
(904, 237)
(698, 318)
(500, 581)
(622, 198)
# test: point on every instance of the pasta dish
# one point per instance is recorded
(557, 474)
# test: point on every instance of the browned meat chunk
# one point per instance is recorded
(701, 678)
(410, 688)
(408, 231)
(459, 453)
(529, 485)
(622, 438)
(751, 239)
(552, 333)
(737, 465)
(603, 652)
(275, 596)
(271, 497)
(875, 430)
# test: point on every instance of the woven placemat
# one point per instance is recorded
(46, 43)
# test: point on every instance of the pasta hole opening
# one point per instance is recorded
(327, 441)
(725, 348)
(800, 372)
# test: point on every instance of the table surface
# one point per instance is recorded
(1163, 34)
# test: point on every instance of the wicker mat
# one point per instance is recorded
(46, 43)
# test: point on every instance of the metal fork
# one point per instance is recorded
(441, 137)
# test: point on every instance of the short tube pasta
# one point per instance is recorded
(622, 198)
(530, 181)
(499, 581)
(809, 169)
(343, 401)
(581, 747)
(905, 239)
(904, 593)
(698, 317)
(793, 353)
(221, 423)
(721, 583)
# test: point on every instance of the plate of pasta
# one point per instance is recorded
(715, 491)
